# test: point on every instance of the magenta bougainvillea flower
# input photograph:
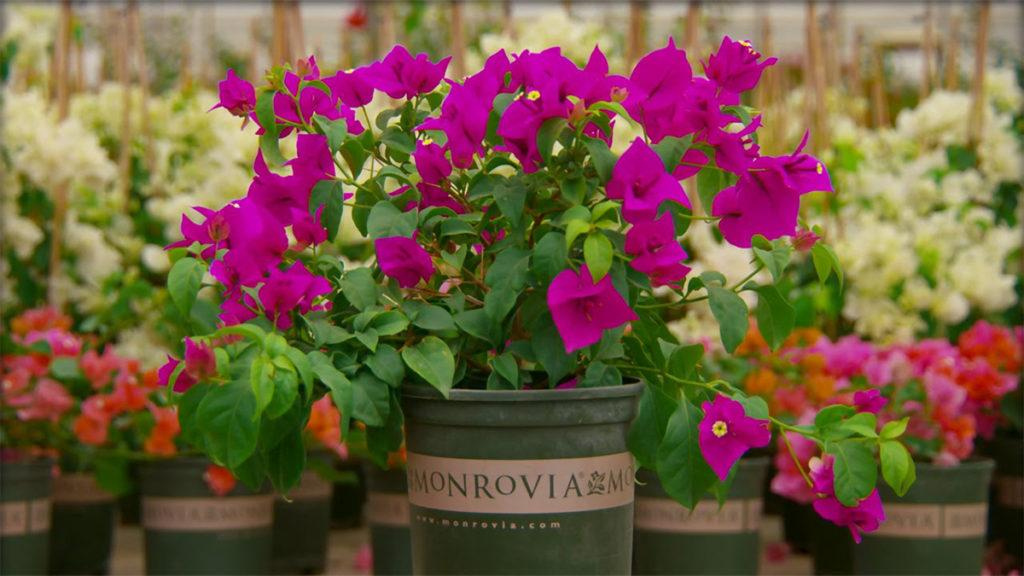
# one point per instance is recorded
(869, 401)
(431, 162)
(400, 75)
(639, 179)
(726, 433)
(354, 88)
(659, 81)
(403, 259)
(292, 289)
(184, 380)
(583, 310)
(866, 516)
(735, 67)
(766, 199)
(212, 234)
(656, 251)
(237, 96)
(200, 361)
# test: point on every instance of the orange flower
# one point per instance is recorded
(89, 430)
(325, 425)
(802, 338)
(753, 343)
(38, 320)
(820, 386)
(813, 363)
(161, 438)
(219, 479)
(158, 445)
(397, 459)
(761, 382)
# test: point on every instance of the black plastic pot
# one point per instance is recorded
(348, 498)
(189, 530)
(83, 526)
(25, 487)
(712, 539)
(1006, 515)
(302, 523)
(521, 482)
(938, 527)
(387, 514)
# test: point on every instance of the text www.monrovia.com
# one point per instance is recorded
(488, 524)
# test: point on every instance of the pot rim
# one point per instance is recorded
(544, 395)
(972, 463)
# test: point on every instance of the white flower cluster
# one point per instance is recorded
(550, 27)
(917, 237)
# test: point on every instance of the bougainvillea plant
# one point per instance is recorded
(936, 396)
(513, 250)
(91, 409)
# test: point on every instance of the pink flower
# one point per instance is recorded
(639, 179)
(354, 88)
(869, 401)
(237, 96)
(200, 362)
(657, 84)
(404, 260)
(184, 380)
(47, 401)
(735, 66)
(399, 75)
(866, 516)
(292, 289)
(656, 251)
(61, 343)
(726, 433)
(583, 310)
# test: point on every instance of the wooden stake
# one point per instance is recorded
(977, 117)
(255, 42)
(458, 38)
(952, 54)
(124, 78)
(833, 70)
(567, 5)
(296, 32)
(508, 26)
(142, 75)
(927, 52)
(636, 41)
(62, 54)
(879, 105)
(279, 44)
(692, 37)
(387, 28)
(815, 69)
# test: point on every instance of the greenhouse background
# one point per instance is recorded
(129, 133)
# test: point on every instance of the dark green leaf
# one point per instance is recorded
(855, 470)
(510, 196)
(550, 256)
(386, 221)
(775, 316)
(387, 365)
(359, 288)
(330, 195)
(433, 361)
(370, 399)
(897, 467)
(731, 313)
(286, 461)
(226, 417)
(183, 283)
(684, 474)
(548, 135)
(601, 157)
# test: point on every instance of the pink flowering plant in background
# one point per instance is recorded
(512, 249)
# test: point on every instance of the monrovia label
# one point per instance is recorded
(79, 489)
(521, 486)
(207, 514)
(24, 517)
(386, 509)
(311, 487)
(1010, 491)
(666, 515)
(934, 521)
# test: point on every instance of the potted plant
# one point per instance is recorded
(302, 517)
(511, 316)
(941, 399)
(387, 516)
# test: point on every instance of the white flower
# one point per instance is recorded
(154, 258)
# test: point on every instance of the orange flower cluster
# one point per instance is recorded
(325, 426)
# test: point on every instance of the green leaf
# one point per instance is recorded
(183, 283)
(335, 130)
(330, 195)
(428, 316)
(598, 254)
(826, 262)
(286, 461)
(386, 364)
(710, 181)
(895, 428)
(64, 368)
(325, 332)
(855, 470)
(671, 150)
(775, 316)
(370, 399)
(498, 302)
(286, 391)
(775, 260)
(599, 374)
(550, 256)
(573, 229)
(337, 383)
(548, 135)
(511, 268)
(832, 416)
(390, 323)
(433, 361)
(368, 338)
(684, 474)
(262, 383)
(601, 157)
(380, 440)
(251, 332)
(510, 196)
(113, 474)
(682, 361)
(359, 288)
(897, 466)
(863, 423)
(226, 418)
(648, 428)
(505, 366)
(754, 406)
(549, 349)
(386, 221)
(269, 142)
(478, 323)
(614, 107)
(731, 313)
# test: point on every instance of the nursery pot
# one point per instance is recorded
(387, 514)
(302, 522)
(25, 487)
(938, 527)
(83, 525)
(521, 481)
(348, 498)
(669, 539)
(1006, 515)
(189, 530)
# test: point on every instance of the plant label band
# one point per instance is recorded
(79, 489)
(667, 515)
(1010, 491)
(311, 487)
(384, 509)
(23, 517)
(207, 514)
(933, 521)
(521, 486)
